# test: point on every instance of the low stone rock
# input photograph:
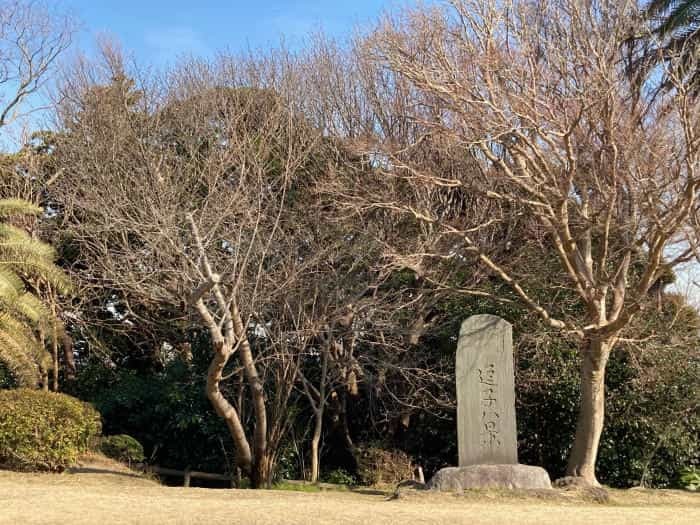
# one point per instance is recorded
(490, 477)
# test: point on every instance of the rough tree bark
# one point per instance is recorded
(244, 457)
(68, 357)
(318, 409)
(54, 340)
(591, 416)
(229, 336)
(262, 463)
(54, 355)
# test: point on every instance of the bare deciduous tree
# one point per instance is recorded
(533, 101)
(31, 39)
(178, 191)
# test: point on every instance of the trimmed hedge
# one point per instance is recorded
(122, 447)
(44, 430)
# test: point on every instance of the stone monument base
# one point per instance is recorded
(490, 476)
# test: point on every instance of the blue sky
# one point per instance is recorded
(158, 31)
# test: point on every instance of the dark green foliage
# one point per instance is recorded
(122, 447)
(44, 430)
(645, 440)
(690, 478)
(165, 409)
(678, 19)
(340, 476)
(169, 413)
(7, 380)
(649, 437)
(651, 425)
(287, 466)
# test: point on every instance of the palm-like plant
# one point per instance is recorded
(671, 39)
(22, 314)
(677, 19)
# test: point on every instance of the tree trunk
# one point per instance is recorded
(225, 410)
(68, 357)
(346, 425)
(340, 425)
(258, 397)
(589, 427)
(318, 413)
(44, 373)
(54, 352)
(262, 471)
(315, 440)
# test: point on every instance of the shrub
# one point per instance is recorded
(287, 465)
(339, 477)
(376, 465)
(44, 430)
(122, 447)
(7, 380)
(164, 410)
(690, 479)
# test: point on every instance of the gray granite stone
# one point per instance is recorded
(490, 477)
(486, 430)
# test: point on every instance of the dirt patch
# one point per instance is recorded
(97, 460)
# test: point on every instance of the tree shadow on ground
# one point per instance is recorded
(370, 491)
(93, 470)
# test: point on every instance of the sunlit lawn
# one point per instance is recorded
(108, 498)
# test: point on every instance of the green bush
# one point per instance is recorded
(44, 430)
(7, 380)
(339, 477)
(122, 447)
(165, 410)
(690, 479)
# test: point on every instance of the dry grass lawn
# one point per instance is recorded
(116, 498)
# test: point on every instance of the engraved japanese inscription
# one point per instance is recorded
(486, 428)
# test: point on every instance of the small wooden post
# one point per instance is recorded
(187, 477)
(420, 478)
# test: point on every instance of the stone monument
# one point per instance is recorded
(486, 429)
